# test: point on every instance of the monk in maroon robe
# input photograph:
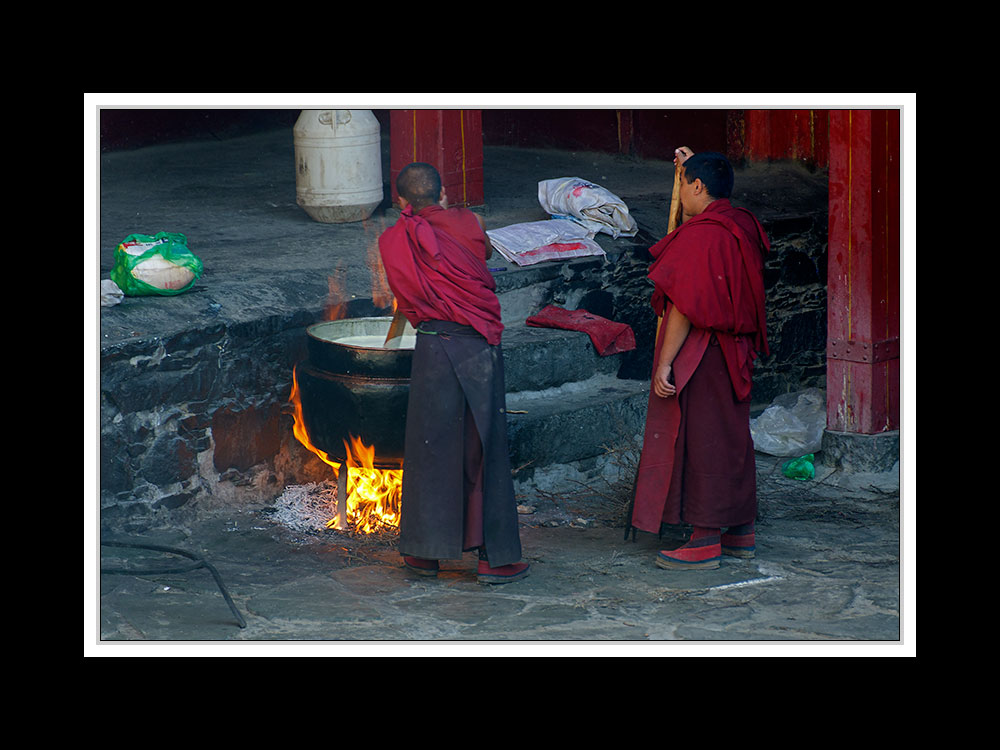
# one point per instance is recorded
(697, 465)
(457, 491)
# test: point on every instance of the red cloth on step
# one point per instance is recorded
(607, 336)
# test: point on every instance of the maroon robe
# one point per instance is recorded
(697, 463)
(457, 491)
(435, 263)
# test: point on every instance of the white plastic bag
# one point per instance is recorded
(596, 208)
(111, 295)
(536, 241)
(792, 425)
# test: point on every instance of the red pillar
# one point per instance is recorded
(449, 139)
(863, 286)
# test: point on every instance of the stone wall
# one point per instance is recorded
(201, 415)
(795, 285)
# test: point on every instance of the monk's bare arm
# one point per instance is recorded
(678, 327)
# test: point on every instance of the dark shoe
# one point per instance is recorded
(502, 574)
(702, 552)
(420, 566)
(738, 541)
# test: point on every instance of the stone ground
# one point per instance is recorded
(827, 573)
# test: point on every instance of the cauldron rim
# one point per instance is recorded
(311, 332)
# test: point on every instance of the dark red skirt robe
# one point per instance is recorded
(457, 491)
(697, 464)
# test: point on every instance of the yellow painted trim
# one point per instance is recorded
(465, 189)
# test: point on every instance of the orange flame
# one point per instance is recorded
(373, 495)
(381, 293)
(336, 306)
(299, 426)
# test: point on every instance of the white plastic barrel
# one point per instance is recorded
(338, 164)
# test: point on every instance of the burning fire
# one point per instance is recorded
(372, 495)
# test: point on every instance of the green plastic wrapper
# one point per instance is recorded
(159, 264)
(800, 468)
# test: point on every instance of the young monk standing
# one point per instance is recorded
(457, 492)
(697, 465)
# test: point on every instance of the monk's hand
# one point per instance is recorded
(682, 154)
(662, 386)
(443, 202)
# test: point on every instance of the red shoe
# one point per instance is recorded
(703, 551)
(502, 574)
(420, 566)
(738, 541)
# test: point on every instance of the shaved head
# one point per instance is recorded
(420, 184)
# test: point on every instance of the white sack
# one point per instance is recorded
(598, 209)
(159, 272)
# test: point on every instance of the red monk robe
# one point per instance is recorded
(457, 492)
(435, 263)
(697, 463)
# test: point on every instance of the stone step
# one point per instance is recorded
(523, 291)
(574, 421)
(539, 358)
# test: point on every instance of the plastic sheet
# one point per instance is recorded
(111, 295)
(792, 425)
(537, 241)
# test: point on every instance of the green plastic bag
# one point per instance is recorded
(800, 468)
(160, 264)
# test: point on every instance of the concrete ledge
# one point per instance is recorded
(857, 452)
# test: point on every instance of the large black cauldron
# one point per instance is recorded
(350, 386)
